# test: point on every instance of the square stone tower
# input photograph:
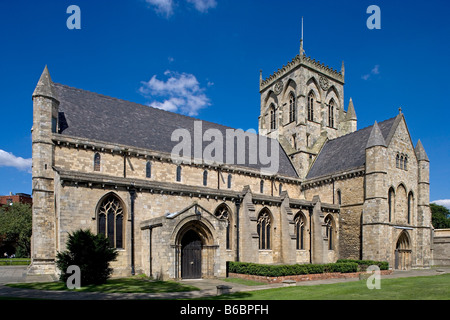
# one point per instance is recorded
(302, 105)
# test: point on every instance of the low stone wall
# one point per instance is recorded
(303, 277)
(441, 247)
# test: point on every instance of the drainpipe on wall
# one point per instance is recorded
(238, 204)
(133, 197)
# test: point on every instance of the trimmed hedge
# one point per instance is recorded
(290, 270)
(342, 266)
(364, 264)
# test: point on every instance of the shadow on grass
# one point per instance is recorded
(122, 285)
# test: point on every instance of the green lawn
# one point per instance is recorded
(416, 288)
(123, 285)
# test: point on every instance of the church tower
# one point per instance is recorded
(302, 105)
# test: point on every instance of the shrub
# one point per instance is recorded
(364, 264)
(91, 253)
(289, 270)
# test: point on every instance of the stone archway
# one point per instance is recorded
(403, 252)
(195, 251)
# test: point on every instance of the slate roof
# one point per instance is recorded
(90, 115)
(347, 152)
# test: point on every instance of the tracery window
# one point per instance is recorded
(300, 223)
(263, 228)
(330, 232)
(292, 108)
(273, 122)
(110, 221)
(311, 106)
(223, 213)
(331, 114)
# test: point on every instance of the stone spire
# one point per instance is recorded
(420, 152)
(44, 86)
(376, 137)
(351, 114)
(343, 69)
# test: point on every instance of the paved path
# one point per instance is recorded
(208, 287)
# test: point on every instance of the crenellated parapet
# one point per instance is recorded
(302, 60)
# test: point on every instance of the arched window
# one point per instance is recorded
(205, 178)
(261, 186)
(229, 181)
(391, 195)
(223, 213)
(110, 220)
(273, 121)
(330, 232)
(148, 169)
(410, 206)
(397, 161)
(405, 163)
(178, 173)
(331, 114)
(300, 223)
(97, 161)
(264, 225)
(292, 108)
(339, 197)
(280, 188)
(311, 106)
(402, 160)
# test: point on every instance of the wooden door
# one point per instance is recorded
(191, 256)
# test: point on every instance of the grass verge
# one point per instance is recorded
(414, 288)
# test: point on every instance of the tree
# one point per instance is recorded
(15, 227)
(91, 253)
(440, 216)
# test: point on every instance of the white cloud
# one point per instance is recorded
(163, 7)
(444, 203)
(375, 70)
(203, 5)
(7, 159)
(181, 93)
(166, 7)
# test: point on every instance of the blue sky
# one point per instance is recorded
(202, 58)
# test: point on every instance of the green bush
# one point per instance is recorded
(91, 253)
(364, 264)
(289, 270)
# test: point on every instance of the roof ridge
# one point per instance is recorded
(358, 131)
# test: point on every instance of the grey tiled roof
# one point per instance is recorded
(347, 152)
(93, 116)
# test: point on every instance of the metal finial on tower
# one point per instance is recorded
(302, 52)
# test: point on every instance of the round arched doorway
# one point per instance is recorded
(403, 252)
(191, 255)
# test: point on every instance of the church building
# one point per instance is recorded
(107, 165)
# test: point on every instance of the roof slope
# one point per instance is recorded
(347, 152)
(93, 116)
